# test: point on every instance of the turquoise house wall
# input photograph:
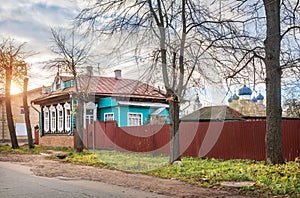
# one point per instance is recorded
(123, 112)
(109, 110)
(68, 84)
(145, 111)
(41, 122)
(166, 113)
(110, 105)
(62, 85)
(107, 102)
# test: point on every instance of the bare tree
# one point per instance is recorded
(273, 83)
(14, 68)
(263, 49)
(73, 54)
(166, 30)
(26, 113)
(292, 107)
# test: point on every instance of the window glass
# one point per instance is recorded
(134, 119)
(108, 116)
(90, 113)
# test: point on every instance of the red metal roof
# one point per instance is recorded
(107, 87)
(110, 86)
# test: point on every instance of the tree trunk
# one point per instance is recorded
(174, 129)
(26, 112)
(273, 137)
(10, 121)
(79, 123)
(79, 114)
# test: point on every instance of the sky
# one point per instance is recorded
(30, 21)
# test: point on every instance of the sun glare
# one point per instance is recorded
(15, 88)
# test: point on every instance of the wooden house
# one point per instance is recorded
(128, 102)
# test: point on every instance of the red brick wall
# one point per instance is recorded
(59, 141)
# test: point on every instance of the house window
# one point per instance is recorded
(52, 118)
(60, 118)
(46, 119)
(67, 116)
(134, 119)
(89, 116)
(108, 117)
(90, 111)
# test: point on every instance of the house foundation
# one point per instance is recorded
(57, 141)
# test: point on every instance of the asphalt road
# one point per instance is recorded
(18, 181)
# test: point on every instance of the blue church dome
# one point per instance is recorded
(254, 99)
(230, 100)
(245, 91)
(235, 97)
(260, 97)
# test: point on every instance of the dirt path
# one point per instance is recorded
(41, 166)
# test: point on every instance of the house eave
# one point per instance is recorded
(142, 104)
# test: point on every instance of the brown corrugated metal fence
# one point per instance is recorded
(222, 140)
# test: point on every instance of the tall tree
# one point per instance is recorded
(165, 29)
(273, 83)
(14, 68)
(73, 54)
(263, 48)
(26, 114)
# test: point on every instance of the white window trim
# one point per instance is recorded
(52, 118)
(130, 113)
(60, 118)
(67, 107)
(110, 113)
(91, 106)
(46, 119)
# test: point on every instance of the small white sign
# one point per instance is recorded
(21, 129)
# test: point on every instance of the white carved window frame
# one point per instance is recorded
(46, 119)
(109, 116)
(52, 118)
(90, 106)
(67, 107)
(60, 118)
(135, 119)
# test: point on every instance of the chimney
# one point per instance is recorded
(118, 74)
(89, 70)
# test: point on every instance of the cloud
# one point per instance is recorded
(30, 21)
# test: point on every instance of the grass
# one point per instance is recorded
(278, 180)
(131, 162)
(37, 149)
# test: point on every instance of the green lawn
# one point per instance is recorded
(279, 180)
(131, 161)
